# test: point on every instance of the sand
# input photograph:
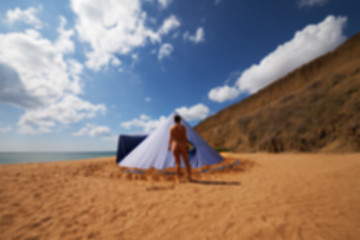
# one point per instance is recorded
(269, 196)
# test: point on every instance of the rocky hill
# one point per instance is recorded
(314, 108)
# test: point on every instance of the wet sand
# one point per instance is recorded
(266, 196)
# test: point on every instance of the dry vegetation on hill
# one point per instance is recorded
(314, 108)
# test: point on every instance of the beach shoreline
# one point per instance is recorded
(277, 196)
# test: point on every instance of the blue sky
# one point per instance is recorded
(75, 74)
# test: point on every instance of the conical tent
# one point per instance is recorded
(153, 151)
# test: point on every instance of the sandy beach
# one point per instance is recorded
(268, 196)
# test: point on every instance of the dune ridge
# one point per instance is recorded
(315, 108)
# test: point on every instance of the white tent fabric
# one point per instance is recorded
(153, 151)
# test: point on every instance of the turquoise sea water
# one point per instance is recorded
(27, 157)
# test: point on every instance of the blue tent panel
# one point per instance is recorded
(126, 144)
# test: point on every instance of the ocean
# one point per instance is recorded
(28, 157)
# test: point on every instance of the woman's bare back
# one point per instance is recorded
(178, 135)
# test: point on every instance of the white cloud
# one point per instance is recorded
(148, 99)
(198, 37)
(134, 57)
(223, 93)
(74, 70)
(35, 75)
(164, 3)
(144, 117)
(216, 2)
(196, 112)
(165, 50)
(100, 131)
(311, 42)
(114, 27)
(145, 122)
(63, 43)
(93, 131)
(169, 24)
(109, 27)
(34, 68)
(12, 89)
(311, 3)
(115, 62)
(69, 109)
(27, 16)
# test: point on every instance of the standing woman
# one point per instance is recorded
(179, 142)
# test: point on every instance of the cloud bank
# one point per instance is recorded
(37, 76)
(307, 44)
(69, 109)
(115, 28)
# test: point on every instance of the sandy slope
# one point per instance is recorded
(286, 196)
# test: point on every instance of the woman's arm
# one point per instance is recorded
(170, 140)
(186, 139)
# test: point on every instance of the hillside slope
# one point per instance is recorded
(314, 108)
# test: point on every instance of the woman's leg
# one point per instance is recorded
(176, 153)
(184, 154)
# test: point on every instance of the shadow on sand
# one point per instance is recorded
(160, 188)
(207, 182)
(203, 182)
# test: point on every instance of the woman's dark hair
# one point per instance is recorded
(177, 118)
